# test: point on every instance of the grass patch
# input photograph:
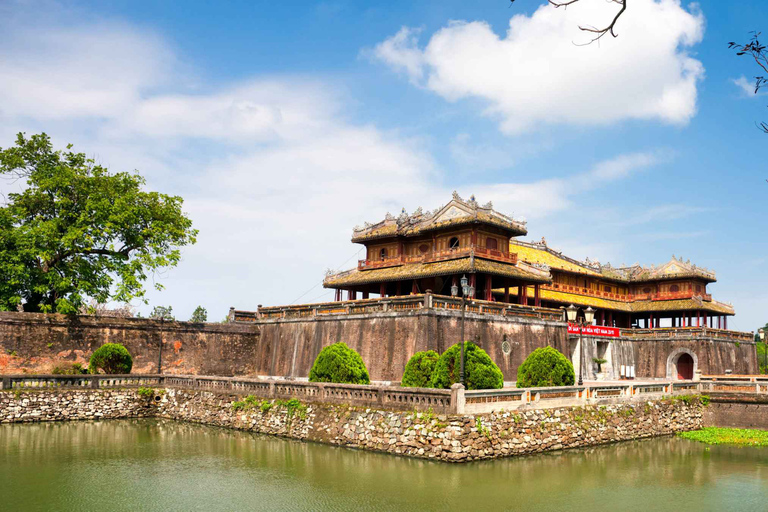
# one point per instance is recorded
(737, 436)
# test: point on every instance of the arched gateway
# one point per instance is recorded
(682, 364)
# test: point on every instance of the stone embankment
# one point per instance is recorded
(453, 438)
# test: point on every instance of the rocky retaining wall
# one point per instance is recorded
(34, 406)
(451, 438)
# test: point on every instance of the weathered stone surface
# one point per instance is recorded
(288, 347)
(424, 435)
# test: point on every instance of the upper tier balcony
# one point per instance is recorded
(579, 290)
(432, 256)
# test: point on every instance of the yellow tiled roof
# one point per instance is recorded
(533, 255)
(422, 270)
(680, 305)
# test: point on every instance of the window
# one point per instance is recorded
(383, 254)
(453, 243)
(491, 243)
(608, 289)
(674, 288)
(423, 248)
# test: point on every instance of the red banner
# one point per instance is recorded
(594, 330)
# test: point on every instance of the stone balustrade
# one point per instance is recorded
(393, 304)
(443, 401)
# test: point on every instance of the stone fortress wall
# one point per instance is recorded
(286, 346)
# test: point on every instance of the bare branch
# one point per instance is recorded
(610, 29)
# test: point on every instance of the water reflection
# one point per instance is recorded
(165, 465)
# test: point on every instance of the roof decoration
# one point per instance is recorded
(539, 252)
(456, 212)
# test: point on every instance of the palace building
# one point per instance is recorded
(431, 251)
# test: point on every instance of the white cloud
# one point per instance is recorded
(96, 71)
(537, 75)
(548, 196)
(747, 87)
(272, 172)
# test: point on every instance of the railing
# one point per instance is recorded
(391, 397)
(443, 401)
(400, 303)
(433, 256)
(687, 333)
(630, 297)
(481, 401)
(78, 381)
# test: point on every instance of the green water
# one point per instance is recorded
(149, 465)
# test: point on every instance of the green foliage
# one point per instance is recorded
(545, 367)
(482, 429)
(77, 230)
(112, 358)
(73, 369)
(293, 406)
(339, 363)
(738, 436)
(599, 362)
(146, 392)
(162, 313)
(480, 371)
(199, 315)
(419, 370)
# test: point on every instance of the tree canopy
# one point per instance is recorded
(77, 231)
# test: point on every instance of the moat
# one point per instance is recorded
(166, 465)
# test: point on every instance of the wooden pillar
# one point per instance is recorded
(725, 322)
(506, 291)
(537, 295)
(524, 289)
(706, 319)
(399, 288)
(488, 287)
(698, 318)
(337, 296)
(650, 321)
(351, 295)
(473, 281)
(610, 318)
(365, 294)
(415, 287)
(383, 289)
(602, 317)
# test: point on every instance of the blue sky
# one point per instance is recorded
(284, 124)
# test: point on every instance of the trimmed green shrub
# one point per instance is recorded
(545, 367)
(480, 371)
(419, 370)
(111, 358)
(339, 363)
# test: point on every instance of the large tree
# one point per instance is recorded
(77, 231)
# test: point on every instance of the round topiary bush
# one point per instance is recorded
(545, 367)
(111, 358)
(419, 370)
(480, 371)
(339, 363)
